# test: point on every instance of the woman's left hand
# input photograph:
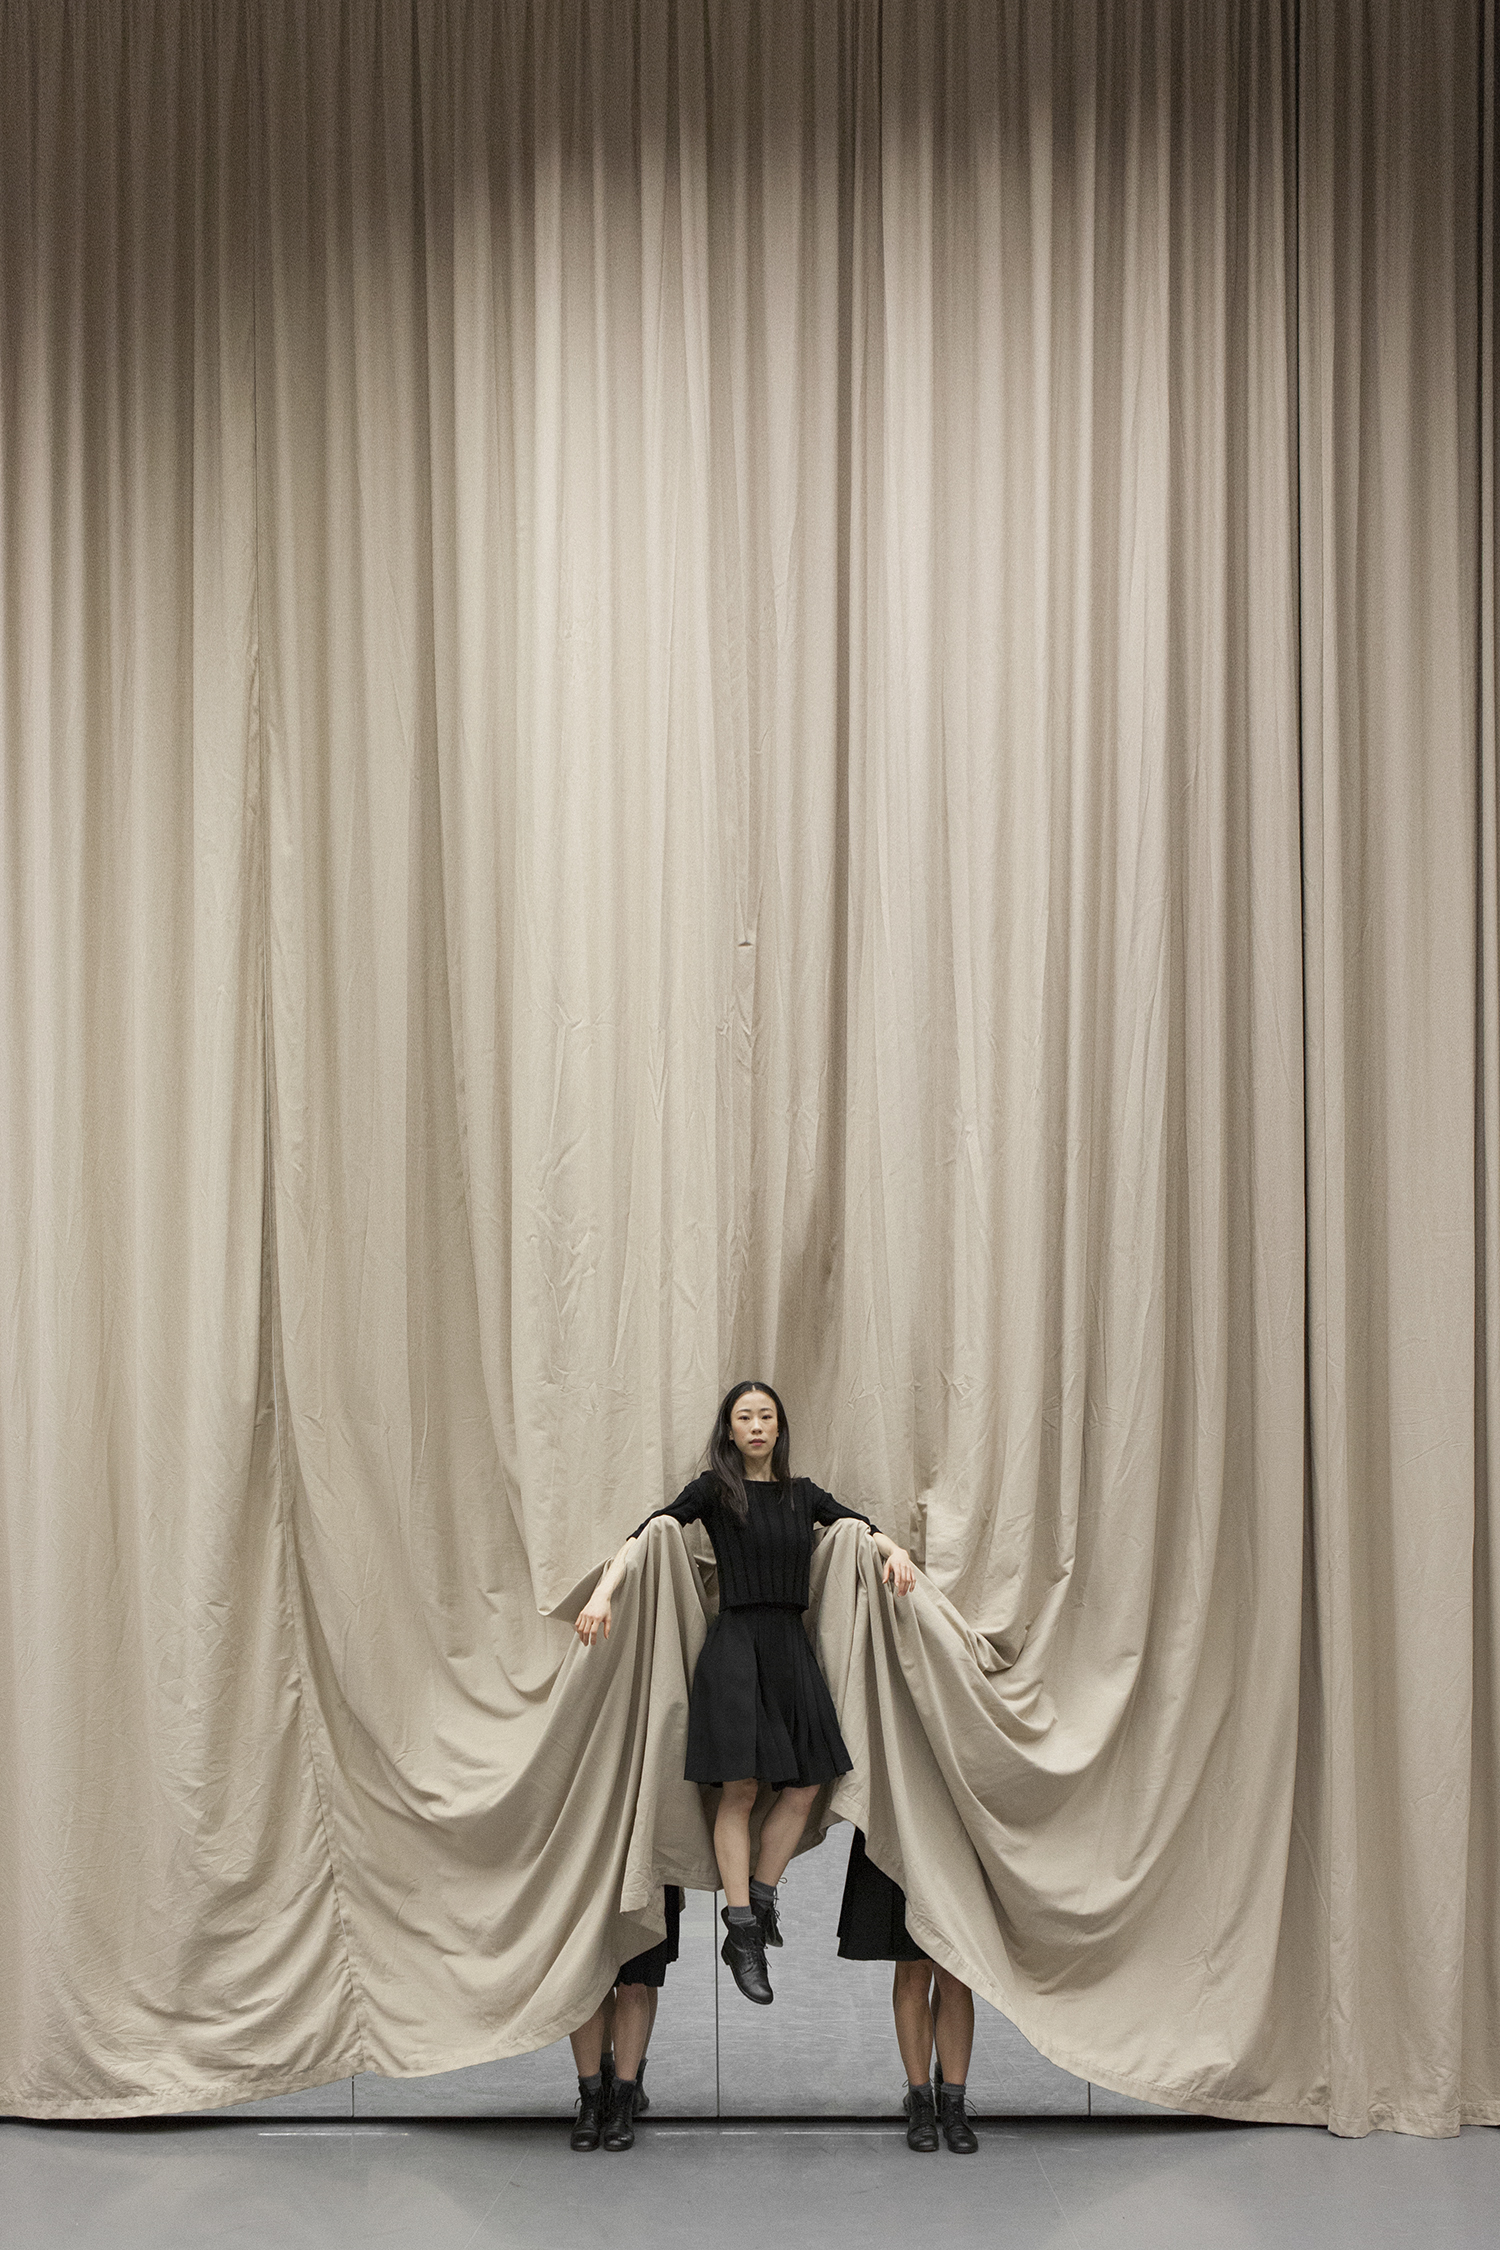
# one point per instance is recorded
(593, 1619)
(899, 1572)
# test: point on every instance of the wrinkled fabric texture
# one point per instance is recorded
(793, 690)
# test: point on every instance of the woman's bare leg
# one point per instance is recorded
(732, 1839)
(782, 1833)
(632, 2027)
(588, 2043)
(913, 2015)
(953, 2022)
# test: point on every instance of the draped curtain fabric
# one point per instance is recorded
(804, 690)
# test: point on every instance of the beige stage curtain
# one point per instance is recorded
(167, 1917)
(1398, 1780)
(803, 690)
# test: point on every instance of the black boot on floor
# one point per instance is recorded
(642, 2098)
(745, 1956)
(921, 2120)
(590, 2115)
(619, 2130)
(957, 2131)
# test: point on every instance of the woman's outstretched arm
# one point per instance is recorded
(593, 1618)
(900, 1571)
(685, 1509)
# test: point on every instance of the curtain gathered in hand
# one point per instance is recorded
(787, 690)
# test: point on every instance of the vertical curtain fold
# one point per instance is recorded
(1481, 1976)
(166, 1919)
(1390, 246)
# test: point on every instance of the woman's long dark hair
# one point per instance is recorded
(726, 1461)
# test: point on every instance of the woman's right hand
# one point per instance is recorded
(593, 1619)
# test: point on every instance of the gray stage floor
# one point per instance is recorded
(1137, 2184)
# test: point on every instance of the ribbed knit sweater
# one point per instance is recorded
(766, 1558)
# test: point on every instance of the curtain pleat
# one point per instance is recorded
(788, 690)
(1480, 2062)
(1390, 552)
(167, 1922)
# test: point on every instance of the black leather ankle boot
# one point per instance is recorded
(619, 2125)
(590, 2113)
(921, 2120)
(642, 2098)
(766, 1921)
(957, 2131)
(744, 1952)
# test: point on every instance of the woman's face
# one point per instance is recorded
(752, 1420)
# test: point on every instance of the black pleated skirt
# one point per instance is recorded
(760, 1707)
(651, 1966)
(872, 1917)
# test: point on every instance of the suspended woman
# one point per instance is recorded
(760, 1710)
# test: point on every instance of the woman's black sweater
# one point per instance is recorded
(765, 1558)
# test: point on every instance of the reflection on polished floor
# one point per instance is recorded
(1070, 2184)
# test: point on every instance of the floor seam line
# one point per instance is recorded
(508, 2182)
(1057, 2199)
